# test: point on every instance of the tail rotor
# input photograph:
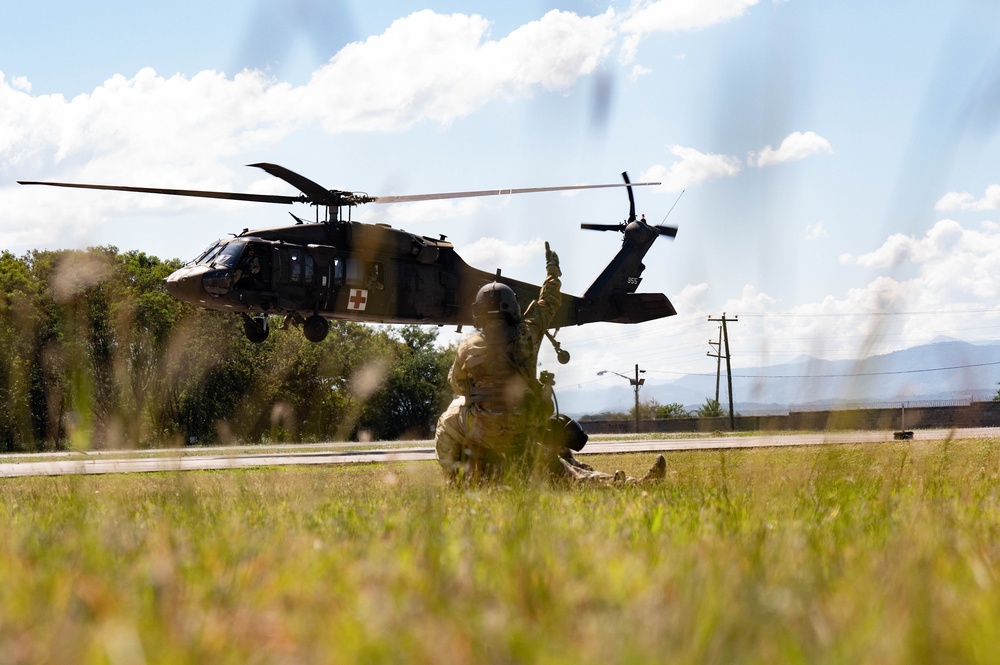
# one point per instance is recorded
(661, 229)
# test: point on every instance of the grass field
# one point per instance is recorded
(877, 553)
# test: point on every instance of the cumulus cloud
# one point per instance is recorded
(899, 248)
(953, 264)
(966, 201)
(429, 66)
(424, 67)
(190, 131)
(493, 252)
(148, 120)
(953, 271)
(795, 146)
(692, 167)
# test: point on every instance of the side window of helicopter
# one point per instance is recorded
(337, 270)
(355, 272)
(376, 278)
(309, 268)
(295, 272)
(302, 267)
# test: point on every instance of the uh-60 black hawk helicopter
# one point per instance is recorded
(336, 268)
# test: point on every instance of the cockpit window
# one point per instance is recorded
(228, 255)
(204, 255)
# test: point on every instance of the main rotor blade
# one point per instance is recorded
(233, 196)
(496, 192)
(631, 199)
(669, 231)
(315, 192)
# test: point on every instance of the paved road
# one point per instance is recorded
(60, 464)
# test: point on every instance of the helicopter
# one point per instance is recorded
(337, 268)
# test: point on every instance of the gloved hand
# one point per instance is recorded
(552, 262)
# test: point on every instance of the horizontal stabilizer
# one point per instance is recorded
(639, 307)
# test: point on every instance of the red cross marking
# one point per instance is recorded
(357, 300)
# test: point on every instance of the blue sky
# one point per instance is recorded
(840, 160)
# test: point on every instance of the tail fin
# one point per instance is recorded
(612, 296)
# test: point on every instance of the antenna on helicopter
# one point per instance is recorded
(673, 206)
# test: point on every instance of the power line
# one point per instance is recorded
(831, 376)
(911, 313)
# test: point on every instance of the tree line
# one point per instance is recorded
(651, 409)
(95, 353)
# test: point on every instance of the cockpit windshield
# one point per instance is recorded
(204, 255)
(222, 253)
(229, 254)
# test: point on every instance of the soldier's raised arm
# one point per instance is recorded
(541, 311)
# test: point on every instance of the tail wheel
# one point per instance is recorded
(315, 328)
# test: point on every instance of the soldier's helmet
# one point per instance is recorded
(495, 302)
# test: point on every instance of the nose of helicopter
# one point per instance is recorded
(185, 284)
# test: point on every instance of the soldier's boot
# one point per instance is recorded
(656, 472)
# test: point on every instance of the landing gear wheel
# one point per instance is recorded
(315, 328)
(255, 328)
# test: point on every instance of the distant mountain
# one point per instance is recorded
(942, 370)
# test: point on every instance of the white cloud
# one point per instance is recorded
(435, 67)
(679, 15)
(955, 271)
(795, 146)
(691, 298)
(966, 201)
(637, 71)
(816, 231)
(953, 264)
(19, 83)
(629, 47)
(939, 241)
(424, 67)
(190, 132)
(691, 168)
(492, 253)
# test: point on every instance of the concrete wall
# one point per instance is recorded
(976, 414)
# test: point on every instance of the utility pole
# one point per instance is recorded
(729, 369)
(636, 383)
(718, 364)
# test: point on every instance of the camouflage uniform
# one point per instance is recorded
(496, 422)
(500, 409)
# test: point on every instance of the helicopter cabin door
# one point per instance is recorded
(294, 277)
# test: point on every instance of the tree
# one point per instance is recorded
(710, 409)
(415, 390)
(672, 410)
(93, 350)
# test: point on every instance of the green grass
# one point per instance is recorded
(878, 553)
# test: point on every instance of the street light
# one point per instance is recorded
(636, 383)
